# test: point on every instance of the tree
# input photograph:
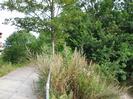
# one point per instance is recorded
(98, 29)
(102, 28)
(39, 15)
(17, 47)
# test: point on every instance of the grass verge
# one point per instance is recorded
(5, 68)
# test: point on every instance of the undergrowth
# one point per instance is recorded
(73, 78)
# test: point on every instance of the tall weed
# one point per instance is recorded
(74, 78)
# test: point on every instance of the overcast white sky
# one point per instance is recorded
(7, 29)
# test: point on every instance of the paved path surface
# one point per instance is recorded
(19, 84)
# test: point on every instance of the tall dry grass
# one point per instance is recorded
(74, 78)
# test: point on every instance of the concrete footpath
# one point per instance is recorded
(19, 84)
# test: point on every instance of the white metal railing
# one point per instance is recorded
(48, 85)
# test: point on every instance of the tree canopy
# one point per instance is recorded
(102, 28)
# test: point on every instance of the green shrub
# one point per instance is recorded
(18, 46)
(105, 35)
(74, 78)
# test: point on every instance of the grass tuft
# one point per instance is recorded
(74, 78)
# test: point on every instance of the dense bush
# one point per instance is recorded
(18, 46)
(102, 34)
(74, 78)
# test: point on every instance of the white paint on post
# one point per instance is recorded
(48, 85)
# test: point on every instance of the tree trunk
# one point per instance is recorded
(53, 48)
(53, 43)
(52, 28)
